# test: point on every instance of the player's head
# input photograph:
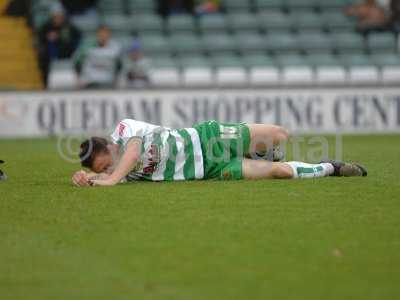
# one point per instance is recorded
(103, 35)
(96, 155)
(57, 15)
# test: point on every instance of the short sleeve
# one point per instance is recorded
(125, 131)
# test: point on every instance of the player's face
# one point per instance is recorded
(102, 163)
(58, 19)
(103, 35)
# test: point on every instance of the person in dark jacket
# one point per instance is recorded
(58, 39)
(77, 7)
(395, 15)
(174, 7)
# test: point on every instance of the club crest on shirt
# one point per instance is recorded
(138, 166)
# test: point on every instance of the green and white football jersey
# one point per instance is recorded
(167, 154)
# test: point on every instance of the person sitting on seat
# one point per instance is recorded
(135, 68)
(371, 15)
(97, 62)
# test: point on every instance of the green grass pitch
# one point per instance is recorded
(332, 238)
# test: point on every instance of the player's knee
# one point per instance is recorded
(282, 171)
(282, 133)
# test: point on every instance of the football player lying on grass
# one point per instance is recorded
(209, 150)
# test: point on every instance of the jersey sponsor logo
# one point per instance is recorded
(154, 160)
(121, 129)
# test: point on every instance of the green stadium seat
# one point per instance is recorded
(356, 59)
(385, 60)
(124, 40)
(268, 4)
(306, 21)
(41, 6)
(382, 42)
(40, 12)
(257, 60)
(145, 24)
(281, 43)
(243, 21)
(348, 42)
(213, 23)
(39, 19)
(291, 60)
(333, 4)
(337, 21)
(181, 23)
(119, 24)
(163, 62)
(250, 43)
(323, 59)
(226, 60)
(111, 7)
(273, 21)
(141, 6)
(314, 42)
(246, 31)
(219, 43)
(194, 61)
(271, 11)
(301, 4)
(87, 40)
(86, 24)
(62, 64)
(236, 5)
(155, 44)
(186, 43)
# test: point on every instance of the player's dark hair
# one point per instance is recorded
(90, 148)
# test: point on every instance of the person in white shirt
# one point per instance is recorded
(98, 61)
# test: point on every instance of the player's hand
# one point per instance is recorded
(80, 179)
(105, 182)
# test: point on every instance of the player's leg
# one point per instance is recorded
(260, 169)
(264, 137)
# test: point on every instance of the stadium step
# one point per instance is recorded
(19, 68)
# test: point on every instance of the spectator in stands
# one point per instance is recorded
(207, 7)
(395, 15)
(58, 39)
(97, 62)
(18, 8)
(371, 15)
(135, 68)
(174, 7)
(79, 7)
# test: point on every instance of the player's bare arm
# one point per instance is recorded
(125, 165)
(82, 178)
